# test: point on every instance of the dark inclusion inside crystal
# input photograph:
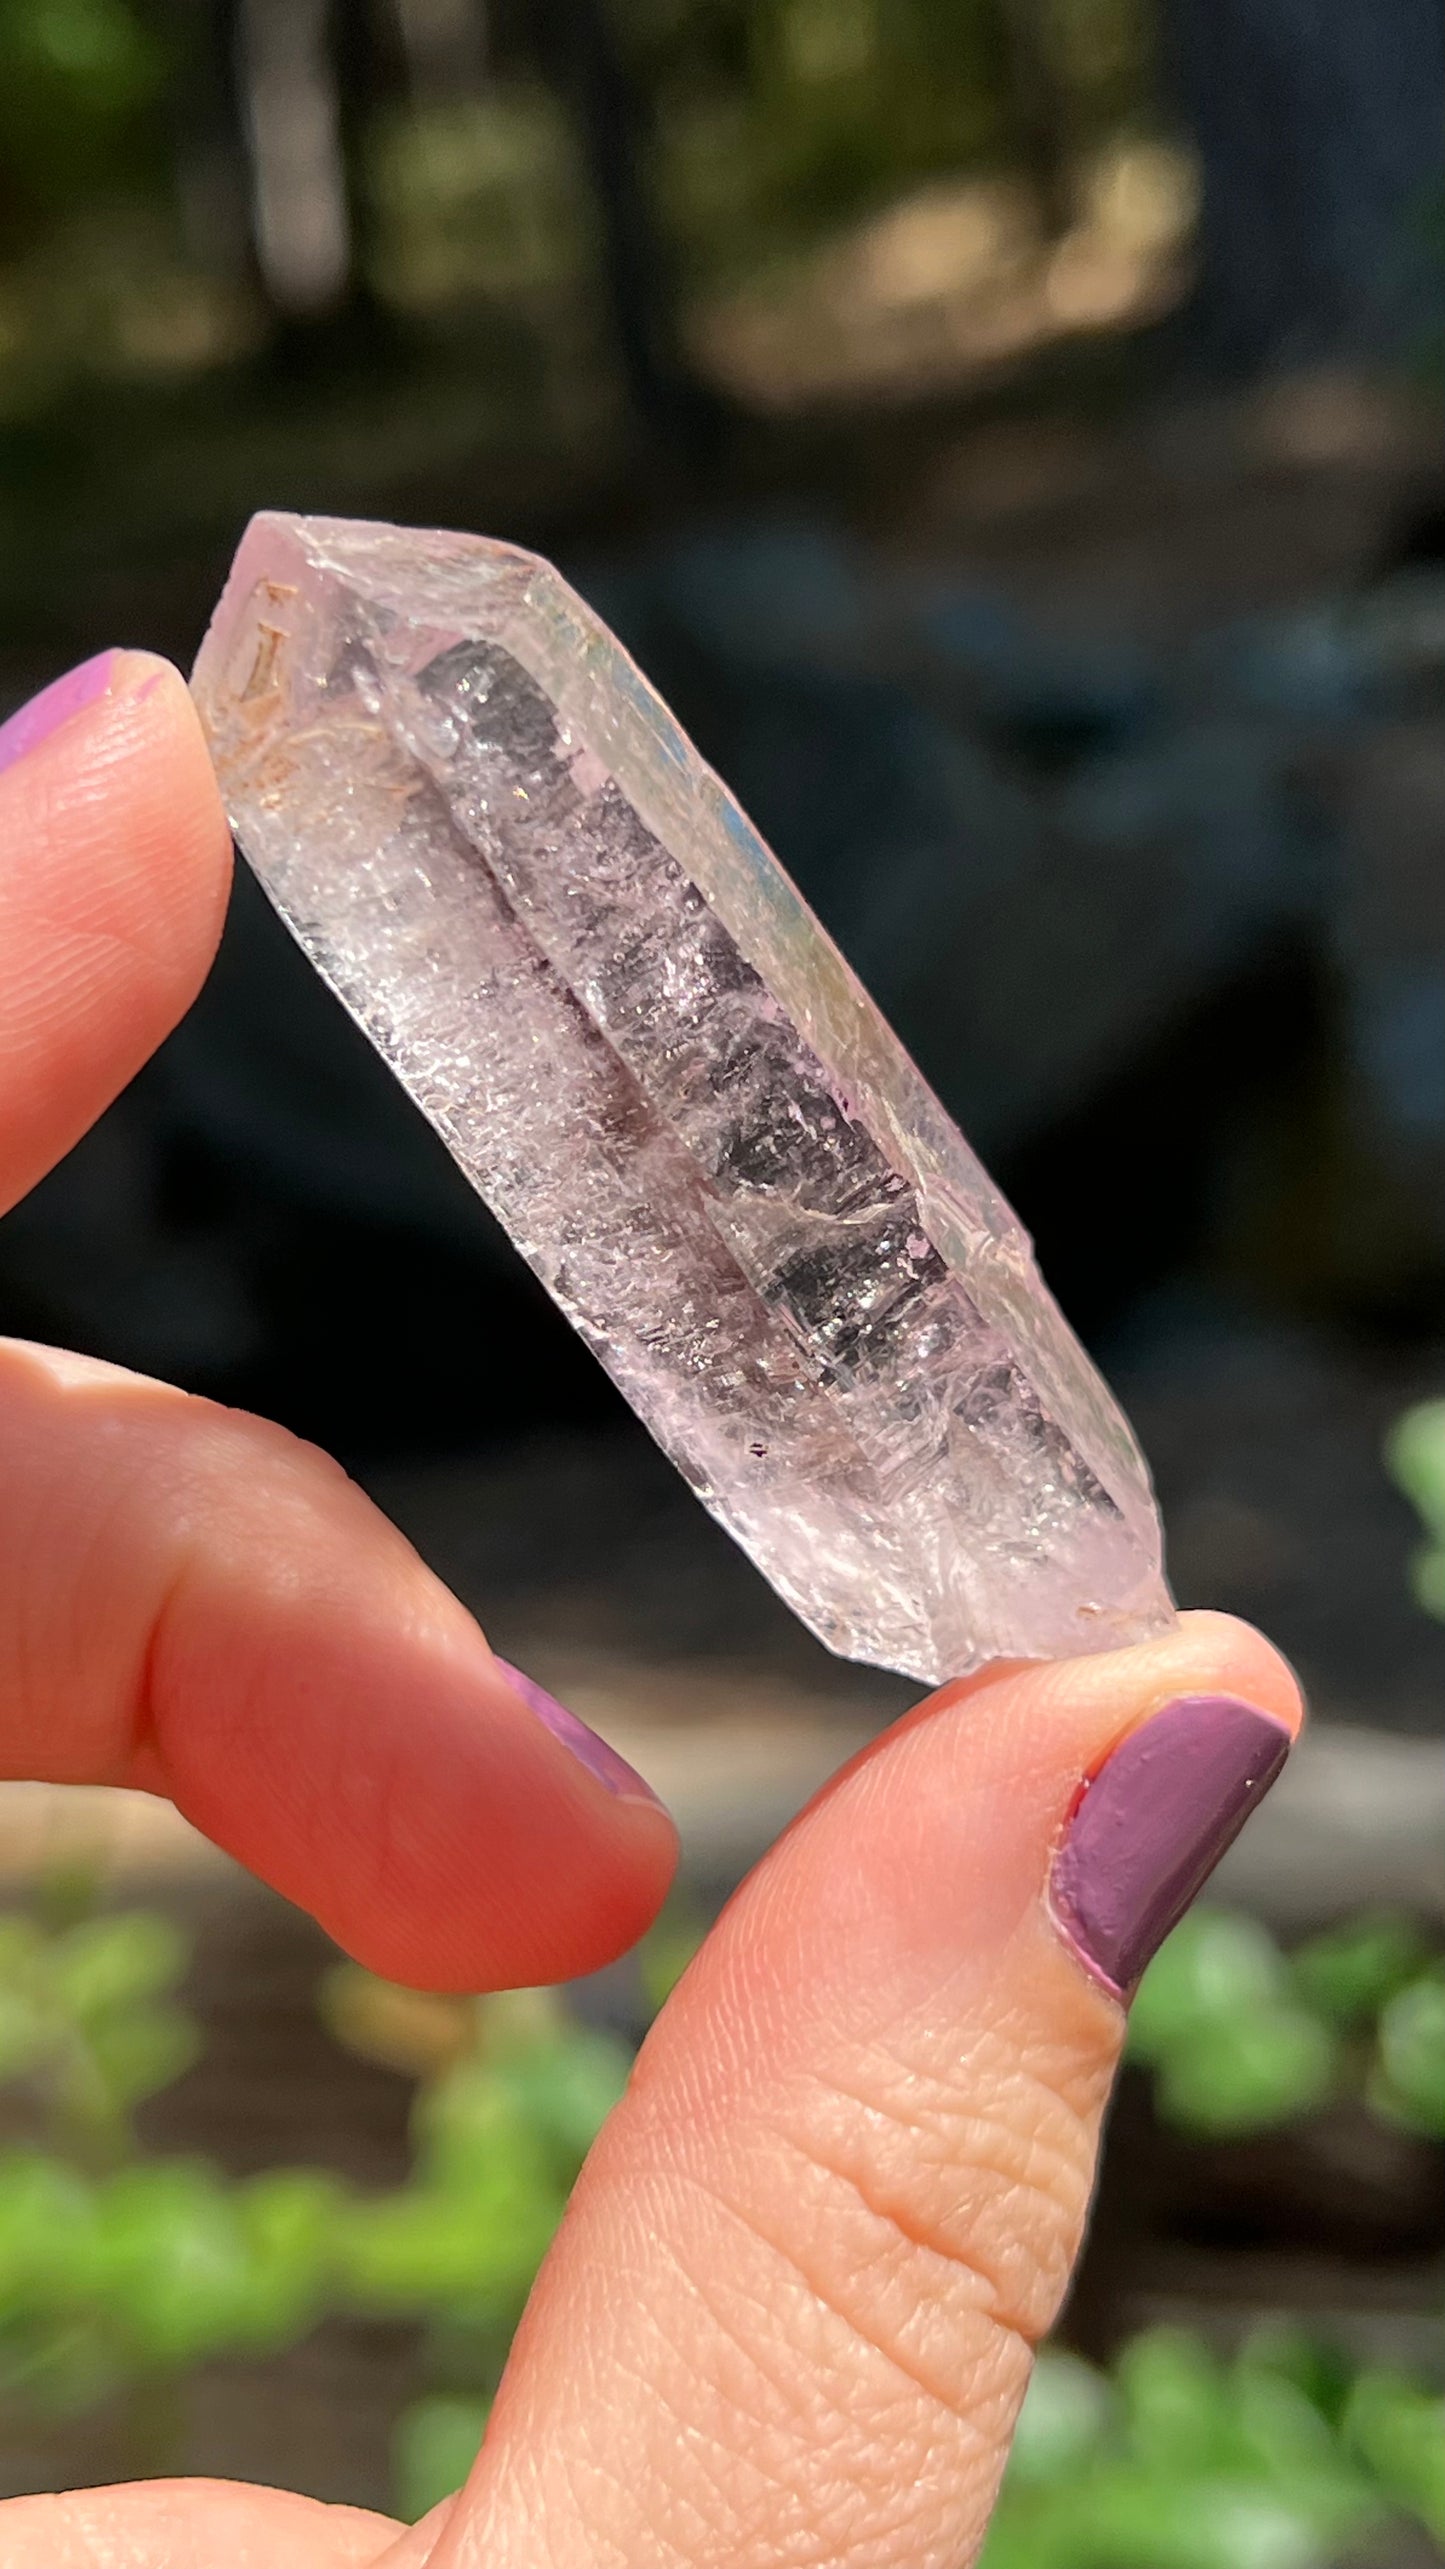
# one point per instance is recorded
(867, 1296)
(705, 1030)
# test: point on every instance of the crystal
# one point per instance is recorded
(501, 852)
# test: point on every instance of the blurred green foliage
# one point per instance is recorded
(762, 124)
(1242, 2037)
(79, 80)
(780, 118)
(770, 124)
(121, 2272)
(1279, 2459)
(435, 2446)
(115, 2270)
(1415, 1459)
(88, 2027)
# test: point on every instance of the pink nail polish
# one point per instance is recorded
(55, 705)
(600, 1760)
(1150, 1827)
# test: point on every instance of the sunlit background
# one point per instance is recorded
(1009, 431)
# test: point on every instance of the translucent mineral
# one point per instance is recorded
(514, 869)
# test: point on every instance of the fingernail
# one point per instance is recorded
(589, 1750)
(55, 705)
(1148, 1830)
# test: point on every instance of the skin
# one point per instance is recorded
(790, 2314)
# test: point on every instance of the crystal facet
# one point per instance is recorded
(570, 945)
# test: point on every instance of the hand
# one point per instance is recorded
(789, 2316)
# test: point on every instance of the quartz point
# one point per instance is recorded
(508, 861)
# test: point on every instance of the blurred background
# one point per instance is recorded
(1009, 432)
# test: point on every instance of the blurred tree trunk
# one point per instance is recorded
(212, 176)
(1320, 126)
(580, 55)
(281, 103)
(300, 198)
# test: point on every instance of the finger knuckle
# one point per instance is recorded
(939, 2207)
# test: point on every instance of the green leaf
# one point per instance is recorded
(1348, 1974)
(435, 2249)
(1176, 2402)
(47, 2227)
(27, 2032)
(21, 1945)
(666, 1951)
(1224, 2522)
(1287, 2352)
(136, 2054)
(1065, 2412)
(1399, 2429)
(1249, 2073)
(1194, 2464)
(291, 2214)
(434, 2447)
(1280, 2427)
(172, 2266)
(566, 2090)
(110, 1963)
(289, 2220)
(1427, 1579)
(471, 2132)
(1415, 1460)
(1410, 2080)
(1216, 1967)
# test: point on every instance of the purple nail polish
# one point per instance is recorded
(53, 706)
(586, 1746)
(1150, 1827)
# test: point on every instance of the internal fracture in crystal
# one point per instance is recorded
(501, 852)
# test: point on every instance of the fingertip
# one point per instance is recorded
(1205, 1653)
(209, 1608)
(1207, 1738)
(115, 862)
(1107, 1694)
(321, 1705)
(505, 1859)
(149, 750)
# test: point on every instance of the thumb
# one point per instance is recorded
(791, 2313)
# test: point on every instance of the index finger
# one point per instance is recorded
(190, 1600)
(115, 864)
